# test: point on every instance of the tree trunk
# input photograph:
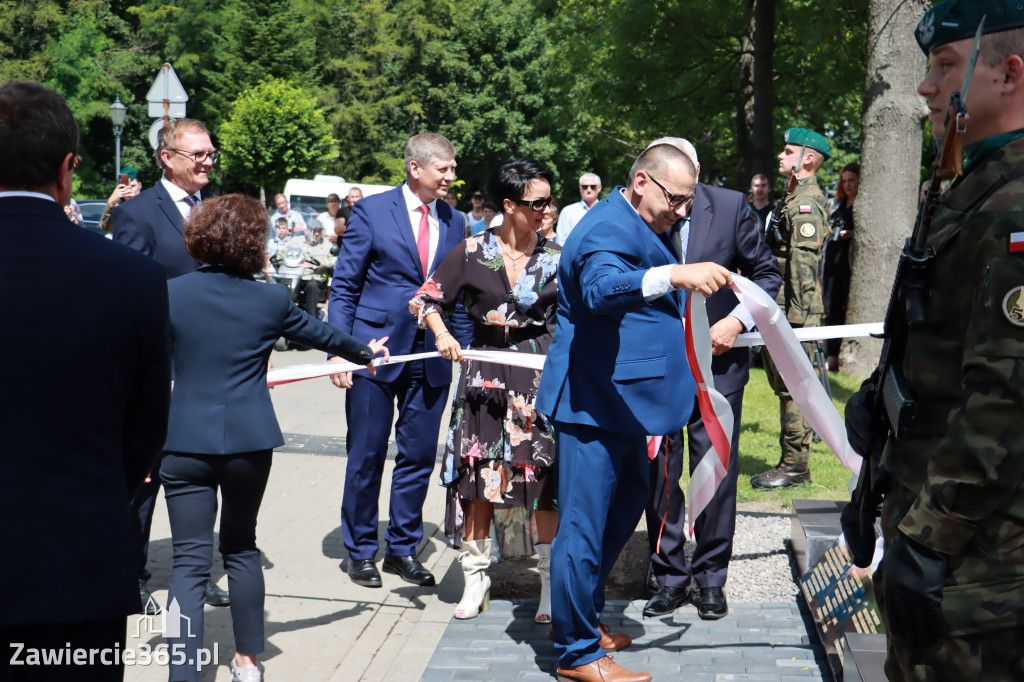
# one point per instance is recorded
(890, 168)
(755, 96)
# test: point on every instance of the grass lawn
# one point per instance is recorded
(759, 446)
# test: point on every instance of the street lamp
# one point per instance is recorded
(117, 113)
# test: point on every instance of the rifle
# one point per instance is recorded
(884, 404)
(776, 239)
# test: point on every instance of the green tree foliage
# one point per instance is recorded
(275, 131)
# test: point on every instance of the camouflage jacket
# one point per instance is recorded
(805, 228)
(964, 467)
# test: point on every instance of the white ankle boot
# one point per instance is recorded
(476, 596)
(544, 566)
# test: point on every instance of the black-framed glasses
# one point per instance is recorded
(537, 204)
(674, 200)
(198, 157)
(589, 186)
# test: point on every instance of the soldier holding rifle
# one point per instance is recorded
(943, 417)
(796, 235)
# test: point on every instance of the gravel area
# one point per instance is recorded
(761, 570)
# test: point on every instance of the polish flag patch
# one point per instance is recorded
(1016, 242)
(805, 208)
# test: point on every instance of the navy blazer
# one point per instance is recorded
(84, 416)
(378, 273)
(224, 326)
(151, 223)
(723, 231)
(616, 362)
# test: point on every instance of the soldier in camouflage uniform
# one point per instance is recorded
(951, 584)
(796, 238)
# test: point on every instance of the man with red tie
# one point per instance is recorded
(392, 242)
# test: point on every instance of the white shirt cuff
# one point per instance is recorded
(657, 282)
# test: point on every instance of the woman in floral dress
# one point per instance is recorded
(499, 451)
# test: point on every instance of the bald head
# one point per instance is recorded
(683, 145)
(659, 158)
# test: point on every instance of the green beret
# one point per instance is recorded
(807, 138)
(130, 172)
(955, 20)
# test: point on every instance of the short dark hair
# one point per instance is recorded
(37, 130)
(230, 231)
(512, 178)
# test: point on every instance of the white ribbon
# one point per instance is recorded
(782, 341)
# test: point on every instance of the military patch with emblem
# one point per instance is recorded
(1013, 306)
(805, 208)
(1016, 242)
(807, 230)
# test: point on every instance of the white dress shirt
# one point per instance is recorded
(412, 204)
(178, 196)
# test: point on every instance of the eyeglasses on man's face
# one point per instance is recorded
(536, 205)
(198, 157)
(589, 187)
(674, 200)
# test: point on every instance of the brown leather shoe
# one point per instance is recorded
(782, 476)
(602, 670)
(612, 641)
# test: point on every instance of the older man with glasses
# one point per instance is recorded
(590, 189)
(152, 223)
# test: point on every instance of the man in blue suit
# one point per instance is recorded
(152, 223)
(718, 227)
(615, 373)
(85, 409)
(392, 242)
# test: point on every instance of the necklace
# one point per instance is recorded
(514, 260)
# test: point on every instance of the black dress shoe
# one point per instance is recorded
(216, 596)
(667, 600)
(711, 604)
(408, 569)
(363, 572)
(150, 606)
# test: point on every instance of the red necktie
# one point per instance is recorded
(423, 238)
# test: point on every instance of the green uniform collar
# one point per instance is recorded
(976, 151)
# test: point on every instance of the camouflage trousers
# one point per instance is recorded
(795, 434)
(992, 655)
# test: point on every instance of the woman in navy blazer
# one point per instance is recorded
(222, 428)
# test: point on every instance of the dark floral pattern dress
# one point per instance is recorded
(498, 448)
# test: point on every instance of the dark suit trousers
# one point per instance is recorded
(143, 505)
(190, 488)
(369, 411)
(602, 487)
(714, 527)
(107, 633)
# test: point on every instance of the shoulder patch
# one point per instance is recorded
(805, 208)
(807, 230)
(1016, 242)
(1013, 306)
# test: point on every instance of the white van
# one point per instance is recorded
(310, 196)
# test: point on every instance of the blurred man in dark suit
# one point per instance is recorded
(86, 407)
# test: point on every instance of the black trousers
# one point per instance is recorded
(190, 487)
(143, 505)
(60, 638)
(713, 529)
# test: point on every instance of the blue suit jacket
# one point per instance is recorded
(85, 414)
(379, 271)
(152, 224)
(722, 230)
(224, 326)
(616, 362)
